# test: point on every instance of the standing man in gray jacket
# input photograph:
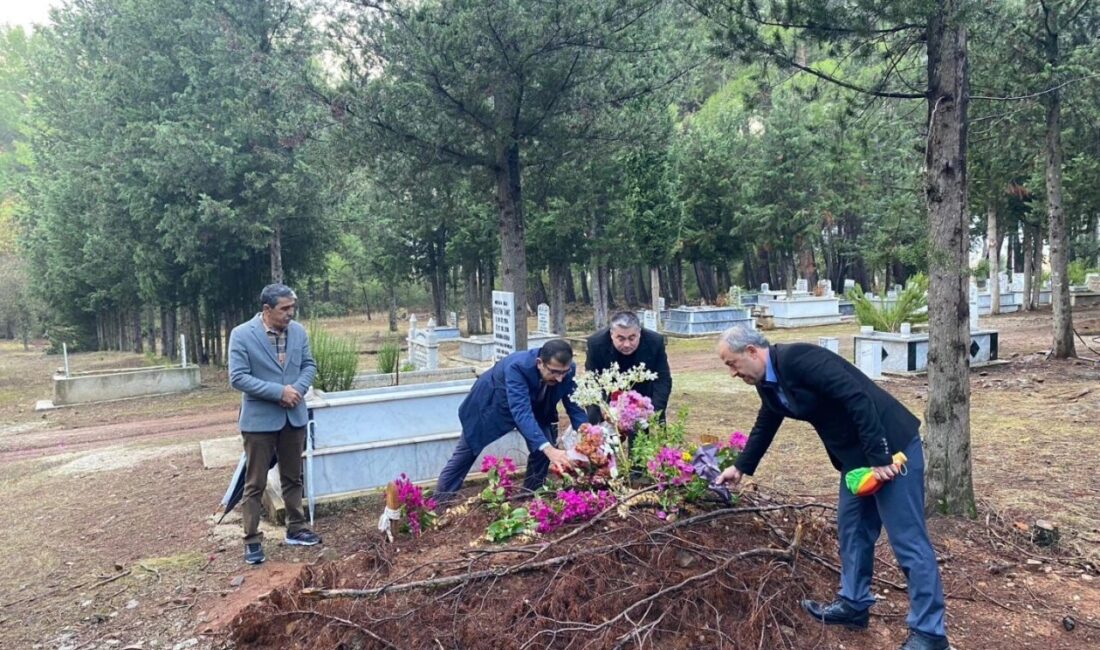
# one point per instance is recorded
(270, 363)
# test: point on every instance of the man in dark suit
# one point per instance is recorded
(521, 392)
(627, 344)
(861, 425)
(270, 363)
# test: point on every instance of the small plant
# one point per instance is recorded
(501, 486)
(417, 508)
(671, 469)
(513, 521)
(647, 443)
(730, 450)
(388, 355)
(568, 506)
(911, 306)
(337, 360)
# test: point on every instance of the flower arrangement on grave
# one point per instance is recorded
(602, 449)
(670, 469)
(416, 508)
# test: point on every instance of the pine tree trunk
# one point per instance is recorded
(276, 253)
(559, 277)
(676, 280)
(586, 295)
(948, 474)
(436, 282)
(513, 245)
(570, 286)
(537, 291)
(474, 325)
(993, 254)
(485, 277)
(654, 288)
(630, 289)
(139, 343)
(601, 288)
(1064, 346)
(393, 304)
(1029, 267)
(1037, 269)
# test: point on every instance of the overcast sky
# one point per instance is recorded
(25, 12)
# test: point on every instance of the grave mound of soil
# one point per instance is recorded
(716, 577)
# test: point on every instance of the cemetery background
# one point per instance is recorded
(181, 577)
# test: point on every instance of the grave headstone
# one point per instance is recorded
(504, 323)
(544, 318)
(764, 288)
(869, 357)
(649, 320)
(830, 343)
(1002, 282)
(892, 295)
(906, 328)
(423, 345)
(661, 303)
(734, 296)
(1017, 282)
(1092, 281)
(454, 319)
(973, 306)
(849, 284)
(826, 287)
(802, 285)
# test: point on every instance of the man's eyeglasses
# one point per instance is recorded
(555, 372)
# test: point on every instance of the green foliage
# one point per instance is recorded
(911, 306)
(387, 357)
(512, 522)
(981, 271)
(1078, 270)
(650, 441)
(59, 334)
(337, 360)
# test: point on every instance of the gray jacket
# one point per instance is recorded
(255, 371)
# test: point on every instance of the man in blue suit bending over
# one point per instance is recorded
(520, 392)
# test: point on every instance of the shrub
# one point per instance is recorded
(387, 357)
(337, 360)
(911, 306)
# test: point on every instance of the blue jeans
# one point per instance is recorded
(899, 506)
(454, 473)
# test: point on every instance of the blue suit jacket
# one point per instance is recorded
(502, 399)
(255, 371)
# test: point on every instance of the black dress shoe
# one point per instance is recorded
(838, 612)
(922, 641)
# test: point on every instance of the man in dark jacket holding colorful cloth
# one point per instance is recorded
(861, 425)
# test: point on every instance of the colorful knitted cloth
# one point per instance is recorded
(862, 481)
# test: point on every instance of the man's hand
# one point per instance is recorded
(885, 472)
(731, 477)
(558, 458)
(290, 397)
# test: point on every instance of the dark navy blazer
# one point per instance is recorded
(503, 398)
(861, 424)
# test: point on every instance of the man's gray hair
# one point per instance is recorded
(272, 293)
(627, 319)
(739, 337)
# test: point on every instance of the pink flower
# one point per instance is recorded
(417, 508)
(633, 409)
(670, 468)
(738, 440)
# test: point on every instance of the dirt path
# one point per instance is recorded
(27, 445)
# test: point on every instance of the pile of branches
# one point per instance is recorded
(727, 577)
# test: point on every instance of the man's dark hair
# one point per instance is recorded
(557, 349)
(272, 293)
(627, 319)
